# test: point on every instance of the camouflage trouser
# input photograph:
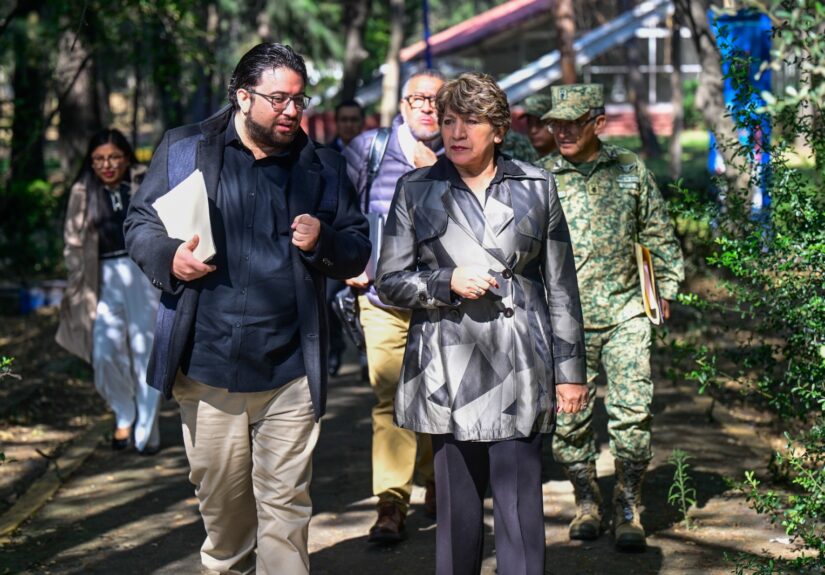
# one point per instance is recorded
(624, 351)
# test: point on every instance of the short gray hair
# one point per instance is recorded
(429, 73)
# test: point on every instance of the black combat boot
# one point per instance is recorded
(628, 533)
(587, 524)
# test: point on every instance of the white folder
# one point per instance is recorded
(184, 211)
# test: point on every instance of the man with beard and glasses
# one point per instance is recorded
(241, 341)
(412, 142)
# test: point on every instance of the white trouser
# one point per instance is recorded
(121, 344)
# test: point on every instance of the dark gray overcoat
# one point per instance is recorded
(483, 370)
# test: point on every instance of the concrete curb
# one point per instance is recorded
(43, 488)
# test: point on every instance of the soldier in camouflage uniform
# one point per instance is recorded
(538, 130)
(610, 200)
(518, 147)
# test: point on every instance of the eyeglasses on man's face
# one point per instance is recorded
(417, 101)
(571, 126)
(113, 160)
(280, 100)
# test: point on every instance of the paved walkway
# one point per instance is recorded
(127, 514)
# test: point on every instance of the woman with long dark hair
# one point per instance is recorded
(107, 315)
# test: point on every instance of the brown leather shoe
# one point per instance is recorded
(389, 527)
(429, 500)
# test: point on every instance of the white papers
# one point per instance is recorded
(184, 211)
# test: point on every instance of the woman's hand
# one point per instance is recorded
(359, 282)
(471, 282)
(571, 397)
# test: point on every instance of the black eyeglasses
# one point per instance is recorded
(416, 101)
(280, 100)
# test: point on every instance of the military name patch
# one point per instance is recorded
(625, 178)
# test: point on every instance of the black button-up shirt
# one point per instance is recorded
(246, 335)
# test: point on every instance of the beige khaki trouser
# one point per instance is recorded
(250, 456)
(393, 448)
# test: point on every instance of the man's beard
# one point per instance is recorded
(264, 136)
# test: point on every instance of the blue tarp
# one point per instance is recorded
(745, 34)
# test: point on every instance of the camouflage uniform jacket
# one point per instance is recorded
(607, 211)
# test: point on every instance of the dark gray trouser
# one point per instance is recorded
(463, 470)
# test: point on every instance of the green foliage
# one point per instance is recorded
(772, 268)
(29, 231)
(693, 115)
(681, 494)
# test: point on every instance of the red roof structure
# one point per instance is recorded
(478, 27)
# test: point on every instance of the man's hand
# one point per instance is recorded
(423, 156)
(305, 232)
(185, 266)
(571, 397)
(359, 282)
(471, 282)
(665, 309)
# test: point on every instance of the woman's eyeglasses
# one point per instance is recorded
(114, 160)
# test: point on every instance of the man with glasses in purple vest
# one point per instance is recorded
(413, 142)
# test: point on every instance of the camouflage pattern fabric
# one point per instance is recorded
(537, 105)
(617, 204)
(572, 101)
(518, 147)
(624, 351)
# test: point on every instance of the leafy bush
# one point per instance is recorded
(693, 115)
(30, 236)
(773, 269)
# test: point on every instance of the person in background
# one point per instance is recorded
(611, 201)
(349, 122)
(413, 141)
(538, 129)
(518, 147)
(107, 315)
(477, 247)
(241, 341)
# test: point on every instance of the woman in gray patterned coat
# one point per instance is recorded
(478, 247)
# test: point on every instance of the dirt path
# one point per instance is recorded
(128, 514)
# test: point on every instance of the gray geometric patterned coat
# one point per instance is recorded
(483, 370)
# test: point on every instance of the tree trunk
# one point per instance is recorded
(392, 76)
(29, 86)
(79, 112)
(676, 96)
(565, 33)
(356, 13)
(637, 93)
(709, 94)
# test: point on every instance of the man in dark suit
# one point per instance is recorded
(241, 341)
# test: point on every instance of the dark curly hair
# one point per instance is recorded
(263, 57)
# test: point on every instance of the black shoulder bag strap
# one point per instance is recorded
(374, 159)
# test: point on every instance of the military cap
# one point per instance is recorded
(536, 105)
(572, 101)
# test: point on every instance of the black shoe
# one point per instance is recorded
(334, 362)
(121, 444)
(149, 450)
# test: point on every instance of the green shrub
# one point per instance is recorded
(772, 266)
(30, 232)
